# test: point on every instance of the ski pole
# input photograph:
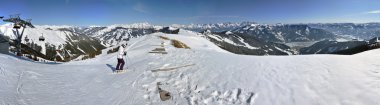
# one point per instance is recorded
(127, 58)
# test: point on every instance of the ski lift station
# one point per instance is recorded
(4, 44)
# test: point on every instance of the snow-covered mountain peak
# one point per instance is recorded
(213, 26)
(54, 27)
(228, 32)
(203, 74)
(144, 25)
(254, 25)
(134, 25)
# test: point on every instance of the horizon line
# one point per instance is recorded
(150, 23)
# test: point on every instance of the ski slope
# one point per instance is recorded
(216, 78)
(52, 36)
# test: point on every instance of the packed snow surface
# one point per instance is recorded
(216, 77)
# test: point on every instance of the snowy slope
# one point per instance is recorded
(53, 37)
(64, 38)
(194, 40)
(329, 47)
(216, 78)
(239, 43)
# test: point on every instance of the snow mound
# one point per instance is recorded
(194, 40)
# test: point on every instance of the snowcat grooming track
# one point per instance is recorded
(159, 50)
(172, 68)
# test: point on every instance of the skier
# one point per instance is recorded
(120, 60)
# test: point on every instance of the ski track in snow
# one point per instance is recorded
(217, 78)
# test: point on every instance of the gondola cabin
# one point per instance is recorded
(41, 38)
(17, 26)
(26, 39)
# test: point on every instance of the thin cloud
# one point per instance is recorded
(374, 12)
(140, 7)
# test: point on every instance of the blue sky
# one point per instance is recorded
(165, 12)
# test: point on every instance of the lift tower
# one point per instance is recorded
(18, 24)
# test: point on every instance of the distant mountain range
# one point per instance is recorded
(329, 47)
(364, 31)
(114, 34)
(327, 37)
(285, 33)
(248, 38)
(217, 27)
(240, 43)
